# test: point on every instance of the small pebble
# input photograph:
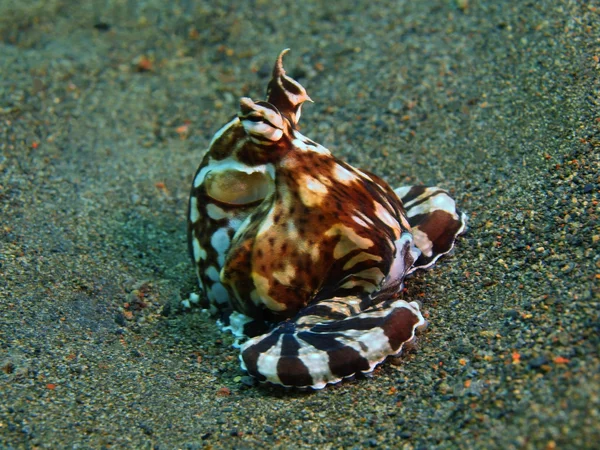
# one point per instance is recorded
(538, 362)
(404, 434)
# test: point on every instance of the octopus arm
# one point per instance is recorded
(435, 221)
(330, 341)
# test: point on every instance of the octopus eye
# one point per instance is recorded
(261, 120)
(238, 188)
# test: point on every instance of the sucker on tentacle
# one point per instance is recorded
(286, 234)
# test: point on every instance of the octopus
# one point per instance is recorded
(303, 254)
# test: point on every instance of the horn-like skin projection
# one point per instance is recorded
(285, 93)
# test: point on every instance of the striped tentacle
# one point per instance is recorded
(435, 221)
(331, 340)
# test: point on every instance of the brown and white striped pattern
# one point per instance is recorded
(283, 232)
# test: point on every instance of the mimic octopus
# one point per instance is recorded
(305, 252)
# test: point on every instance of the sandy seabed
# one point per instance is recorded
(105, 111)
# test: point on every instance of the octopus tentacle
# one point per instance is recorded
(331, 342)
(435, 221)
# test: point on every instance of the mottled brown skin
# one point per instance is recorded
(268, 253)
